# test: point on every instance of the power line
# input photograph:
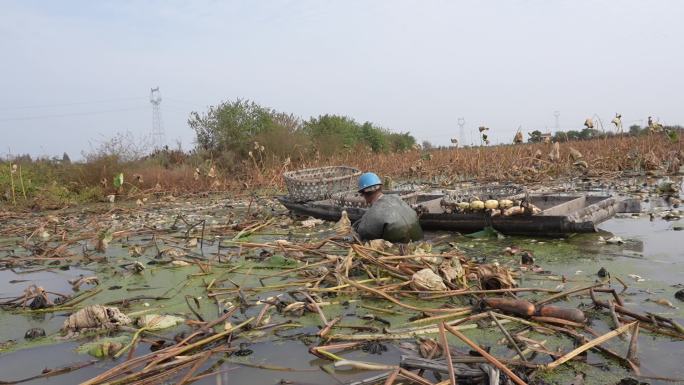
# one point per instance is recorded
(69, 114)
(71, 103)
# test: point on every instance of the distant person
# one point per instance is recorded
(388, 216)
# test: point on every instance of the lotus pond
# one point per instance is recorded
(257, 293)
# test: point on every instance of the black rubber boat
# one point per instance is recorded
(560, 214)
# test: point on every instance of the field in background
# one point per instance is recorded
(45, 184)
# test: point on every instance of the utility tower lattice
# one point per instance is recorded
(158, 138)
(461, 131)
(556, 114)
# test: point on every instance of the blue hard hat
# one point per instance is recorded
(367, 180)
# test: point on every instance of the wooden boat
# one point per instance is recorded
(560, 214)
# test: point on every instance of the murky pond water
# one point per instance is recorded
(650, 262)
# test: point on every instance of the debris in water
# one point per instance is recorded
(311, 222)
(663, 302)
(135, 251)
(453, 272)
(511, 306)
(344, 225)
(511, 250)
(243, 350)
(373, 347)
(612, 240)
(95, 317)
(379, 244)
(34, 333)
(637, 278)
(105, 347)
(631, 381)
(526, 258)
(680, 295)
(158, 321)
(426, 279)
(77, 283)
(494, 277)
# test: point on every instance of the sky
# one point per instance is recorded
(74, 73)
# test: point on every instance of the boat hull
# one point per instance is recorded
(567, 215)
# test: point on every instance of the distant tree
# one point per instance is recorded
(231, 126)
(333, 133)
(229, 131)
(534, 136)
(400, 141)
(573, 135)
(23, 158)
(635, 130)
(560, 136)
(122, 146)
(588, 133)
(427, 145)
(373, 137)
(564, 136)
(66, 159)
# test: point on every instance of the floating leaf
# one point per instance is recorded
(105, 347)
(281, 261)
(158, 321)
(487, 232)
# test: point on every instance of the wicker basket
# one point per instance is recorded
(320, 183)
(354, 199)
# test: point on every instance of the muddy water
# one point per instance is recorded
(652, 250)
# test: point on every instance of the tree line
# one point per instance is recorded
(537, 136)
(234, 131)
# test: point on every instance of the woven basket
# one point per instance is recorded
(354, 199)
(313, 184)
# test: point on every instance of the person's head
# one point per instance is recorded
(370, 187)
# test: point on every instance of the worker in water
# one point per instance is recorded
(388, 216)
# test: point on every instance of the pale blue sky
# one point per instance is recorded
(74, 72)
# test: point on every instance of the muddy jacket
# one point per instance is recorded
(389, 218)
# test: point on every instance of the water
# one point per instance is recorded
(652, 250)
